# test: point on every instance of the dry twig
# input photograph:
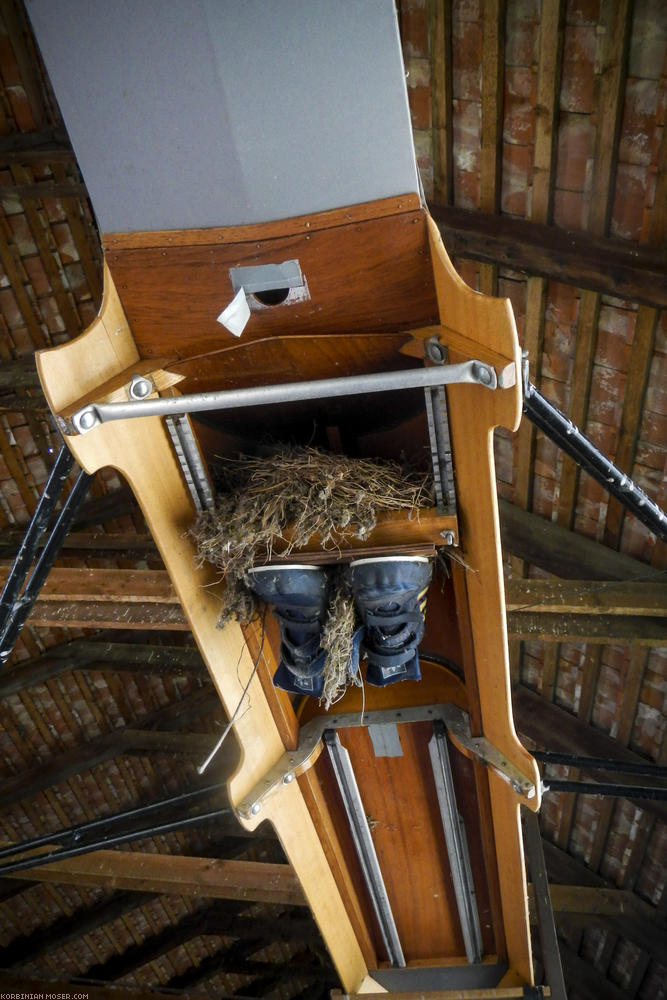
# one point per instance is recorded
(315, 494)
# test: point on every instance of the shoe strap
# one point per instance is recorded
(400, 638)
(375, 620)
(307, 618)
(301, 662)
(299, 651)
(384, 660)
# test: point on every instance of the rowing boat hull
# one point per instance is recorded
(377, 288)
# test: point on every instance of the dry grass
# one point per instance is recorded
(337, 636)
(316, 494)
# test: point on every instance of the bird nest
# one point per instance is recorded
(275, 504)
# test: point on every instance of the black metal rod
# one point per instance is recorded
(553, 969)
(569, 439)
(603, 788)
(60, 854)
(21, 607)
(39, 522)
(600, 763)
(102, 828)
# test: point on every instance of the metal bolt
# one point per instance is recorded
(87, 420)
(449, 537)
(482, 374)
(255, 808)
(139, 387)
(436, 352)
(288, 778)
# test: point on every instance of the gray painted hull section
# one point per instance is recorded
(199, 113)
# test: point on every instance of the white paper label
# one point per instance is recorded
(236, 315)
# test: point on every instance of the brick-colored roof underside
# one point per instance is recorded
(530, 119)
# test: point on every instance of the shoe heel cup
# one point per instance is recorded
(287, 681)
(407, 671)
(393, 617)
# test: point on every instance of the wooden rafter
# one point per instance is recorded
(616, 18)
(639, 368)
(441, 101)
(69, 928)
(224, 918)
(493, 76)
(90, 544)
(102, 655)
(553, 728)
(576, 890)
(108, 747)
(40, 986)
(215, 878)
(590, 983)
(117, 598)
(587, 596)
(565, 553)
(605, 629)
(549, 70)
(161, 732)
(605, 264)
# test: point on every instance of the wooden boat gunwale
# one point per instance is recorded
(144, 456)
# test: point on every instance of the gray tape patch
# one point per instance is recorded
(266, 277)
(385, 739)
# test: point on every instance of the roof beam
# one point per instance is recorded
(639, 370)
(441, 100)
(23, 987)
(20, 373)
(215, 878)
(563, 553)
(96, 751)
(553, 728)
(44, 189)
(111, 585)
(605, 264)
(101, 655)
(586, 597)
(616, 16)
(223, 918)
(597, 900)
(170, 739)
(527, 535)
(107, 598)
(549, 70)
(493, 76)
(605, 629)
(115, 503)
(82, 543)
(117, 598)
(578, 892)
(531, 537)
(590, 982)
(47, 143)
(236, 960)
(66, 929)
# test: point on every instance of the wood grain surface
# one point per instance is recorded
(362, 279)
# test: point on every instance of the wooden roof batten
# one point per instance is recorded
(635, 272)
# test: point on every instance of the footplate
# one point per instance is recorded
(456, 721)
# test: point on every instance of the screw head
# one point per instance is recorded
(449, 537)
(87, 420)
(288, 778)
(483, 374)
(140, 387)
(436, 352)
(255, 808)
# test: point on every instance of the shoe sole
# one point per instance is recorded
(379, 559)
